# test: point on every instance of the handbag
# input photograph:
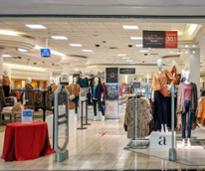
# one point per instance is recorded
(164, 91)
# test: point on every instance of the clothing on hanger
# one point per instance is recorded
(140, 106)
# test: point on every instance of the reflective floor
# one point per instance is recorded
(99, 147)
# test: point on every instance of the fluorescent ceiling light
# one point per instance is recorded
(144, 51)
(57, 37)
(22, 50)
(130, 27)
(125, 57)
(130, 61)
(136, 38)
(6, 56)
(35, 26)
(75, 45)
(192, 28)
(24, 67)
(87, 50)
(9, 33)
(121, 54)
(139, 45)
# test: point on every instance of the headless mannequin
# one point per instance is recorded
(74, 90)
(160, 67)
(53, 86)
(187, 76)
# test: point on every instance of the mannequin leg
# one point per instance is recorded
(101, 109)
(183, 142)
(184, 125)
(95, 109)
(189, 128)
(159, 110)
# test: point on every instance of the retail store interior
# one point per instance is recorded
(140, 103)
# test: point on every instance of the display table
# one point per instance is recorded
(26, 141)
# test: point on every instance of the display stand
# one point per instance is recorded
(61, 120)
(137, 143)
(82, 116)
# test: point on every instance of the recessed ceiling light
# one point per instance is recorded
(9, 33)
(139, 45)
(194, 46)
(87, 50)
(75, 45)
(6, 56)
(129, 61)
(144, 51)
(125, 57)
(136, 38)
(130, 27)
(186, 46)
(193, 51)
(57, 37)
(35, 26)
(121, 54)
(22, 50)
(192, 28)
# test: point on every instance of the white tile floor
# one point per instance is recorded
(98, 147)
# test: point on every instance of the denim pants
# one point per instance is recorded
(76, 101)
(100, 107)
(185, 113)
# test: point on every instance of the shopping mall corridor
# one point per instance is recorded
(98, 147)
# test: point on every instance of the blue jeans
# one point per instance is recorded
(187, 112)
(100, 107)
(76, 100)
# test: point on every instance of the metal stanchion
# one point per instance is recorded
(86, 113)
(172, 151)
(81, 118)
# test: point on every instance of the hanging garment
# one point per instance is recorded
(201, 111)
(38, 99)
(141, 106)
(49, 100)
(2, 98)
(29, 96)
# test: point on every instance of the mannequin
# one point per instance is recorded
(97, 93)
(186, 105)
(53, 86)
(74, 91)
(160, 93)
(6, 84)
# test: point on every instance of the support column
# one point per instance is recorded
(194, 65)
(1, 66)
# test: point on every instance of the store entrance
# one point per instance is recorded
(119, 74)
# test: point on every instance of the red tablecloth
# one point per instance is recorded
(26, 141)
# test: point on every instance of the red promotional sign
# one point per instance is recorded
(171, 39)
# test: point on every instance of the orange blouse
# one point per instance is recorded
(6, 81)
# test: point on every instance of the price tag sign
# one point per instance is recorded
(27, 116)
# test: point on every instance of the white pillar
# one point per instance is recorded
(1, 66)
(194, 65)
